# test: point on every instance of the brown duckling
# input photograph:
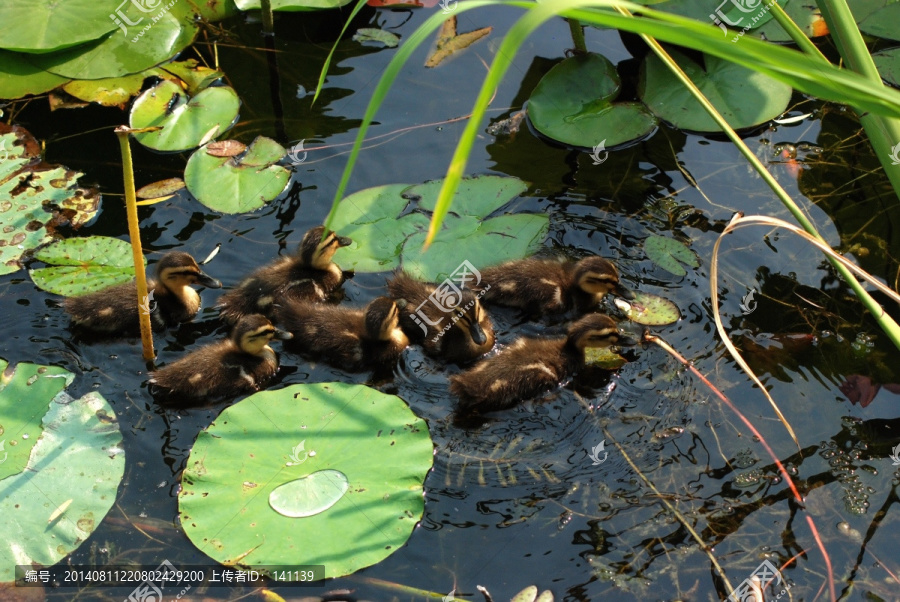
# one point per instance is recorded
(456, 328)
(549, 286)
(310, 274)
(171, 300)
(529, 366)
(352, 339)
(242, 363)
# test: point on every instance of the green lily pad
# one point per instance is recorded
(805, 14)
(110, 92)
(293, 5)
(196, 76)
(35, 199)
(667, 252)
(186, 122)
(650, 310)
(19, 77)
(603, 357)
(61, 463)
(45, 25)
(883, 22)
(372, 34)
(744, 97)
(573, 103)
(132, 50)
(241, 183)
(383, 240)
(83, 265)
(370, 439)
(888, 64)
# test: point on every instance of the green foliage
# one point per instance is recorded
(293, 5)
(573, 103)
(668, 252)
(888, 64)
(649, 309)
(45, 25)
(883, 22)
(247, 490)
(83, 265)
(371, 34)
(19, 76)
(238, 184)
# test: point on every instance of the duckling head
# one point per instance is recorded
(178, 269)
(597, 276)
(472, 317)
(318, 247)
(253, 332)
(382, 319)
(596, 330)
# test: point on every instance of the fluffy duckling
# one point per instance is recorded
(171, 300)
(240, 364)
(310, 274)
(530, 366)
(352, 339)
(548, 286)
(456, 328)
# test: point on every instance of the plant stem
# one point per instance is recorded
(796, 33)
(134, 234)
(577, 30)
(268, 21)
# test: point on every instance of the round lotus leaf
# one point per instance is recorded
(19, 77)
(883, 22)
(83, 265)
(45, 25)
(34, 200)
(109, 92)
(478, 196)
(649, 309)
(573, 104)
(67, 483)
(888, 63)
(194, 75)
(293, 5)
(130, 48)
(257, 451)
(668, 252)
(186, 122)
(241, 183)
(744, 97)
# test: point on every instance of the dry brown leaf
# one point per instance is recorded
(449, 42)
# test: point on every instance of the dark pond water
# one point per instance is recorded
(518, 501)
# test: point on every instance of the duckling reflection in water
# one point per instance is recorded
(114, 310)
(455, 327)
(348, 338)
(309, 275)
(243, 363)
(530, 366)
(549, 286)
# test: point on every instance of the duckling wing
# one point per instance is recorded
(256, 293)
(537, 285)
(113, 310)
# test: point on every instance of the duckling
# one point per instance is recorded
(240, 364)
(548, 286)
(309, 274)
(171, 300)
(530, 366)
(352, 339)
(456, 327)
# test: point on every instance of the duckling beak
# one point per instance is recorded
(208, 281)
(282, 335)
(477, 334)
(344, 241)
(626, 341)
(624, 292)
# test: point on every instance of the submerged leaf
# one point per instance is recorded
(449, 41)
(667, 252)
(370, 34)
(83, 265)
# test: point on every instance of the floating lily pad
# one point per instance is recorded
(109, 92)
(371, 34)
(186, 122)
(241, 183)
(667, 252)
(349, 432)
(805, 14)
(83, 265)
(883, 22)
(45, 25)
(603, 357)
(383, 240)
(19, 77)
(162, 188)
(888, 64)
(35, 199)
(293, 5)
(573, 103)
(650, 310)
(743, 96)
(123, 52)
(196, 76)
(61, 462)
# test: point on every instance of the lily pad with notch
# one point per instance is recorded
(649, 309)
(668, 252)
(279, 473)
(241, 183)
(573, 104)
(79, 266)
